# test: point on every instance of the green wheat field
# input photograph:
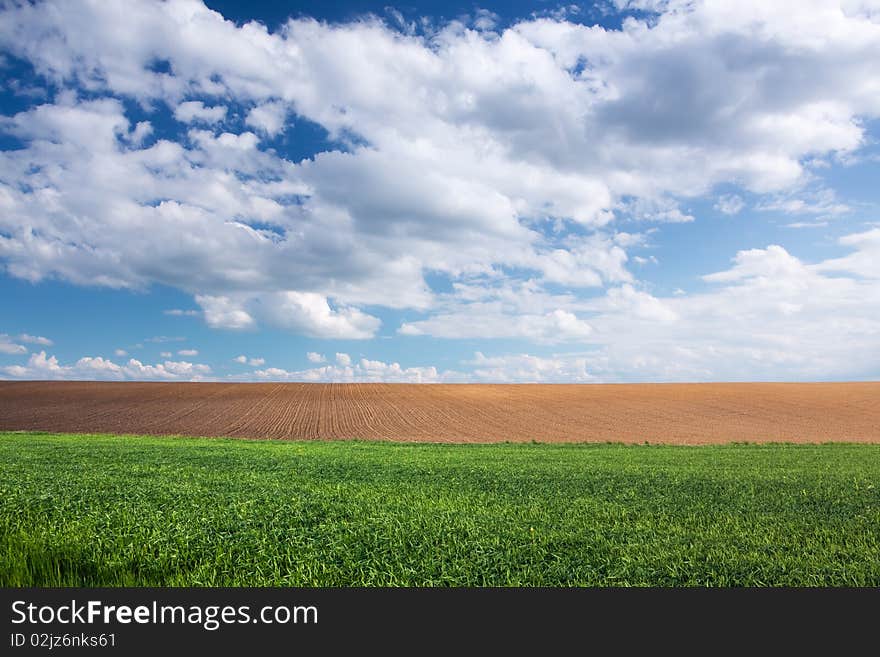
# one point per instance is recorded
(97, 510)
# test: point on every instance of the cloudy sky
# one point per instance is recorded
(656, 190)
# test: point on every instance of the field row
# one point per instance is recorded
(680, 413)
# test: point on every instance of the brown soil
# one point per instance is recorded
(657, 413)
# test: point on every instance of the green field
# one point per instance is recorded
(105, 510)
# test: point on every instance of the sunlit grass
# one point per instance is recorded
(104, 510)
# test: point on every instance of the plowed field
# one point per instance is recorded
(657, 413)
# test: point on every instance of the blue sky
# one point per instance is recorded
(620, 191)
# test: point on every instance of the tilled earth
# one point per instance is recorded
(657, 413)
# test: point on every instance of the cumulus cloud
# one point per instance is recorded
(863, 260)
(306, 313)
(268, 117)
(194, 111)
(35, 339)
(489, 320)
(40, 366)
(524, 368)
(7, 346)
(223, 312)
(485, 19)
(662, 210)
(253, 362)
(483, 308)
(120, 352)
(769, 316)
(730, 204)
(502, 160)
(314, 357)
(664, 108)
(188, 352)
(364, 371)
(310, 314)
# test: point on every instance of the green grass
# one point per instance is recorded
(105, 510)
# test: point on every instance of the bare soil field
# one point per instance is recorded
(657, 413)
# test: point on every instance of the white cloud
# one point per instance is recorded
(486, 320)
(483, 308)
(366, 371)
(161, 339)
(864, 259)
(306, 313)
(343, 359)
(194, 111)
(34, 339)
(268, 117)
(820, 202)
(628, 301)
(730, 204)
(770, 316)
(498, 160)
(177, 312)
(662, 210)
(223, 312)
(253, 362)
(40, 366)
(7, 346)
(476, 152)
(807, 224)
(310, 314)
(188, 352)
(485, 19)
(314, 357)
(523, 368)
(120, 352)
(139, 134)
(165, 354)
